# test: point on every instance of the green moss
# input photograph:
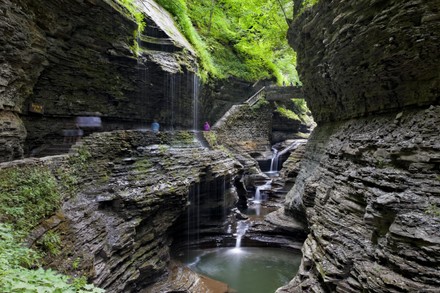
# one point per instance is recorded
(163, 149)
(260, 103)
(140, 20)
(186, 137)
(287, 113)
(433, 210)
(306, 4)
(211, 137)
(296, 109)
(27, 195)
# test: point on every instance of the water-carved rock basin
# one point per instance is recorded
(245, 269)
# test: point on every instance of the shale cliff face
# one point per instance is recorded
(61, 59)
(123, 192)
(370, 180)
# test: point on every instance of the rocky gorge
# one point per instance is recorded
(369, 183)
(367, 186)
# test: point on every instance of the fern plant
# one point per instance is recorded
(20, 270)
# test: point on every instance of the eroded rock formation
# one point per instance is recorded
(369, 183)
(123, 192)
(81, 58)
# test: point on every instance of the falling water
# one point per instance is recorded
(274, 162)
(242, 227)
(195, 102)
(170, 93)
(276, 154)
(257, 197)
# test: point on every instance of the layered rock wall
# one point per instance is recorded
(81, 58)
(246, 129)
(369, 183)
(363, 57)
(123, 191)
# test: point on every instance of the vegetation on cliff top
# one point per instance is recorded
(236, 38)
(247, 39)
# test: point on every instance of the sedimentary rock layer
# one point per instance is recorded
(371, 190)
(369, 183)
(123, 192)
(368, 56)
(82, 58)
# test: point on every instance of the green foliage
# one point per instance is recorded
(251, 35)
(16, 275)
(260, 103)
(185, 137)
(51, 242)
(76, 263)
(179, 9)
(287, 113)
(306, 4)
(244, 39)
(134, 11)
(300, 105)
(139, 17)
(27, 195)
(211, 138)
(297, 110)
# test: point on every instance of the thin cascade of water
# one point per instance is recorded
(196, 84)
(257, 197)
(274, 161)
(242, 227)
(276, 154)
(293, 145)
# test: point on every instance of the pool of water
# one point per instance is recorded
(246, 269)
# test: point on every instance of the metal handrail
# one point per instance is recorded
(254, 98)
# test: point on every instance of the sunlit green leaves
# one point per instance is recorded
(254, 31)
(245, 39)
(17, 275)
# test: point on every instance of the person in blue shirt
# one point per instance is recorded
(155, 126)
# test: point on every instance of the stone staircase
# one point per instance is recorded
(270, 93)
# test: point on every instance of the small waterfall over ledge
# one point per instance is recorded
(274, 161)
(276, 154)
(242, 227)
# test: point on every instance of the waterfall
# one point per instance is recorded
(195, 102)
(276, 154)
(257, 197)
(293, 145)
(274, 162)
(170, 94)
(242, 227)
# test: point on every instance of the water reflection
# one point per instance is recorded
(246, 269)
